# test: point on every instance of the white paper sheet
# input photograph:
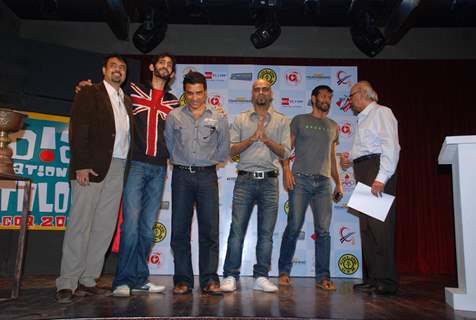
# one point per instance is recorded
(364, 201)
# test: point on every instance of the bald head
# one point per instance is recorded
(261, 94)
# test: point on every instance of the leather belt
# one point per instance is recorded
(259, 174)
(193, 169)
(367, 157)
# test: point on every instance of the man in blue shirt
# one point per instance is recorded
(197, 138)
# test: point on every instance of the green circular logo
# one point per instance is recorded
(160, 232)
(348, 264)
(268, 75)
(182, 100)
(286, 207)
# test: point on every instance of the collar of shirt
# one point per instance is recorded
(112, 92)
(253, 114)
(364, 113)
(208, 109)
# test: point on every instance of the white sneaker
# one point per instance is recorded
(228, 284)
(122, 291)
(263, 284)
(149, 288)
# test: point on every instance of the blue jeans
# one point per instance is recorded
(200, 189)
(246, 193)
(141, 204)
(316, 191)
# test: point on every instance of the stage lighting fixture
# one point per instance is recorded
(267, 28)
(117, 18)
(365, 34)
(150, 33)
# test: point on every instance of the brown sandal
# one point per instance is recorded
(326, 284)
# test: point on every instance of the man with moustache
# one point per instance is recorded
(374, 157)
(99, 139)
(198, 138)
(261, 137)
(314, 137)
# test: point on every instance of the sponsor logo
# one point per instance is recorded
(242, 76)
(314, 236)
(231, 179)
(343, 103)
(292, 103)
(215, 99)
(296, 260)
(154, 258)
(239, 99)
(268, 75)
(348, 264)
(293, 78)
(292, 157)
(343, 78)
(215, 76)
(347, 181)
(160, 232)
(286, 207)
(317, 75)
(346, 235)
(182, 100)
(346, 129)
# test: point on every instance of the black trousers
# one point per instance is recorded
(378, 238)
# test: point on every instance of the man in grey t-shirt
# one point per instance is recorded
(314, 137)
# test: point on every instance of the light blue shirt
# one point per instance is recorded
(197, 142)
(258, 157)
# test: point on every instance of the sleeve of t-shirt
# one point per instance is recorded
(294, 126)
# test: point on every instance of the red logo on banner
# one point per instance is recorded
(346, 129)
(285, 101)
(343, 103)
(293, 78)
(346, 235)
(208, 75)
(214, 100)
(154, 258)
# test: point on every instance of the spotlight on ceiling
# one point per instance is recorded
(266, 23)
(117, 18)
(153, 30)
(365, 34)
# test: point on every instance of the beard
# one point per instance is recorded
(116, 77)
(162, 75)
(324, 107)
(262, 101)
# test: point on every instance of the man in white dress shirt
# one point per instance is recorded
(374, 156)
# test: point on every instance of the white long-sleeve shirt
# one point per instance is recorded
(377, 132)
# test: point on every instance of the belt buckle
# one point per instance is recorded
(190, 169)
(258, 175)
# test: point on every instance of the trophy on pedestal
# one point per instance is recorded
(10, 121)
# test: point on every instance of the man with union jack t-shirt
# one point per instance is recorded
(145, 181)
(144, 186)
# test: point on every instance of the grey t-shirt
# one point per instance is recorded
(313, 141)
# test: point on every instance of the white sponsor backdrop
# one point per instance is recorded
(230, 86)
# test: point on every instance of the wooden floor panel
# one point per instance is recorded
(418, 298)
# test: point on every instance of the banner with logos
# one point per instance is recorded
(230, 86)
(41, 153)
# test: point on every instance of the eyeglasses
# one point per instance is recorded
(351, 94)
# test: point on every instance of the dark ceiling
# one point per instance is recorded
(326, 13)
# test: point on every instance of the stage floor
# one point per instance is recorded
(418, 298)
